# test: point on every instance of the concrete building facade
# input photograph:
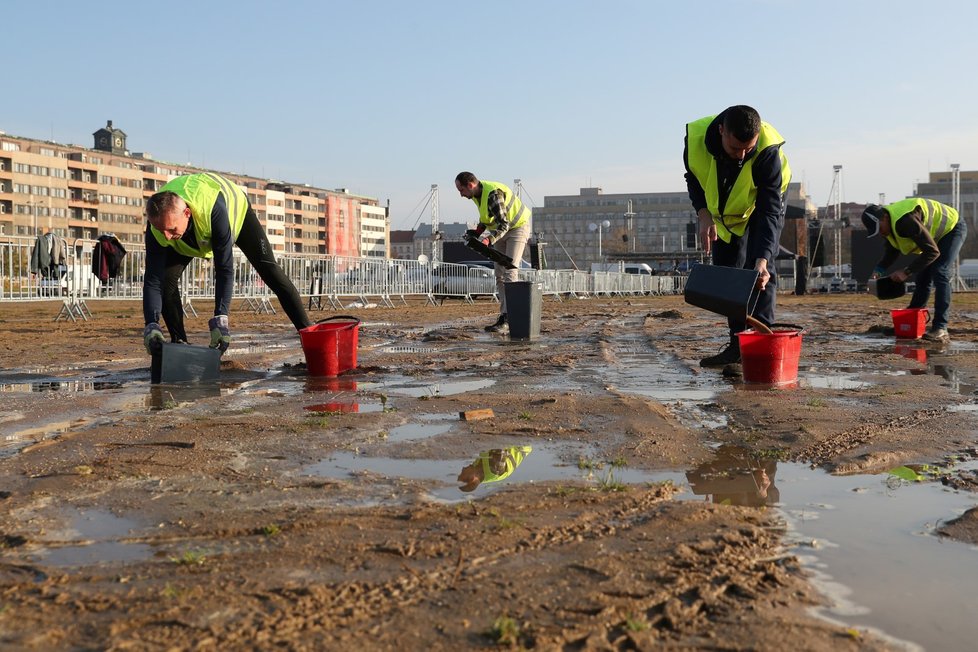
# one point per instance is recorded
(654, 227)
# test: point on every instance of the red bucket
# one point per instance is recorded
(770, 358)
(910, 323)
(330, 345)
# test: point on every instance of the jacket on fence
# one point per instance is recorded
(107, 257)
(50, 256)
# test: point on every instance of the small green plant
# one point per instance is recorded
(587, 464)
(271, 530)
(190, 558)
(171, 592)
(505, 631)
(611, 483)
(525, 416)
(619, 462)
(636, 624)
(169, 404)
(815, 402)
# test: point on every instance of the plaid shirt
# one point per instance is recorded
(497, 210)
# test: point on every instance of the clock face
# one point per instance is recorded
(118, 142)
(103, 141)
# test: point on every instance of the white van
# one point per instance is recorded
(627, 268)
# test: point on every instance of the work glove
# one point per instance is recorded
(153, 338)
(220, 335)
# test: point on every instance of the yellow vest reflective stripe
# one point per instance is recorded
(743, 195)
(939, 220)
(512, 457)
(200, 192)
(517, 214)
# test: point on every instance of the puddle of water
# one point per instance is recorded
(541, 463)
(403, 386)
(90, 537)
(663, 378)
(831, 382)
(412, 431)
(876, 556)
(868, 539)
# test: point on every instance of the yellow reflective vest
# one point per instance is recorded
(741, 201)
(201, 191)
(517, 214)
(499, 464)
(939, 219)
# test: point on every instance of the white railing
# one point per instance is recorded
(326, 281)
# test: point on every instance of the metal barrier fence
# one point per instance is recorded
(328, 282)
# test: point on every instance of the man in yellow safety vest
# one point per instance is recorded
(203, 216)
(930, 229)
(504, 220)
(736, 176)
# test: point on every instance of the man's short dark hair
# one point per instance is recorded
(160, 204)
(465, 178)
(742, 122)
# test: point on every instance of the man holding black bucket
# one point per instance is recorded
(933, 231)
(504, 221)
(736, 176)
(204, 216)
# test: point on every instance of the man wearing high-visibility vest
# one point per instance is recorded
(492, 466)
(504, 220)
(736, 176)
(203, 216)
(934, 232)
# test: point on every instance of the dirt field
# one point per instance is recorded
(265, 514)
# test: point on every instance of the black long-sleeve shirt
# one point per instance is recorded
(767, 220)
(222, 242)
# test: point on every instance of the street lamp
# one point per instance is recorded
(604, 224)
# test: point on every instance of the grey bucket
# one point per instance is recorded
(727, 291)
(524, 303)
(183, 363)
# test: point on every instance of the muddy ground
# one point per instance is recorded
(203, 519)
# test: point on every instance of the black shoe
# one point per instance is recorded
(729, 355)
(495, 328)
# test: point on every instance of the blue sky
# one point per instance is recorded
(388, 97)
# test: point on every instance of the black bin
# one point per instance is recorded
(524, 303)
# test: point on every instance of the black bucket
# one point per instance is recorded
(727, 291)
(887, 288)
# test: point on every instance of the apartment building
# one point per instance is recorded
(81, 192)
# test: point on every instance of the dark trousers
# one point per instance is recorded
(734, 254)
(254, 244)
(938, 274)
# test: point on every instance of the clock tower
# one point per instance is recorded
(109, 139)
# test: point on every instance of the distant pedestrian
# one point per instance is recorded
(935, 233)
(736, 176)
(203, 216)
(503, 220)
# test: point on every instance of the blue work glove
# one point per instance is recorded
(153, 338)
(220, 335)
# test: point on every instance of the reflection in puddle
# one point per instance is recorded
(492, 466)
(90, 537)
(544, 464)
(415, 389)
(832, 382)
(736, 477)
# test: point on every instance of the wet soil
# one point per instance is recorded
(156, 518)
